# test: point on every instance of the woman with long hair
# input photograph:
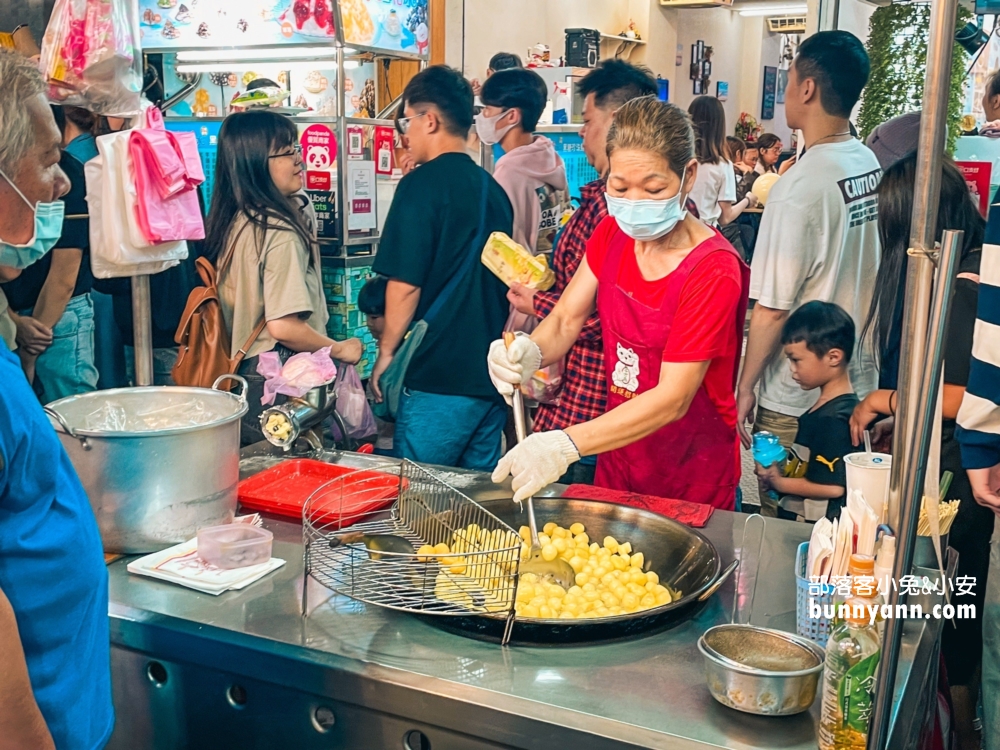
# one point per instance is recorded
(971, 530)
(768, 150)
(714, 190)
(260, 234)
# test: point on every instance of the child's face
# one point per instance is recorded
(376, 324)
(810, 370)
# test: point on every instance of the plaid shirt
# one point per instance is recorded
(584, 394)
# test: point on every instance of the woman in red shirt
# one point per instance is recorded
(672, 296)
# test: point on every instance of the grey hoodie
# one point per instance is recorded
(534, 178)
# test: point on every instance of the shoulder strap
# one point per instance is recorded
(470, 258)
(242, 352)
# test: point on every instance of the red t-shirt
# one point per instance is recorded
(704, 326)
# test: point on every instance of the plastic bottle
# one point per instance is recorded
(768, 450)
(864, 587)
(852, 656)
(884, 561)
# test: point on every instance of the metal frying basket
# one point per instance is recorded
(480, 577)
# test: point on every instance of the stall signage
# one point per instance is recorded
(324, 203)
(384, 147)
(396, 25)
(318, 180)
(186, 24)
(361, 196)
(977, 177)
(319, 153)
(355, 142)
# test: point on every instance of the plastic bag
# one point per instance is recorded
(352, 405)
(299, 375)
(115, 249)
(92, 57)
(166, 172)
(546, 383)
(512, 263)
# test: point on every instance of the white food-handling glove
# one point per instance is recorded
(513, 365)
(537, 462)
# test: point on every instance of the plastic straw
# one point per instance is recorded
(868, 442)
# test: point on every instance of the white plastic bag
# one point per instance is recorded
(114, 251)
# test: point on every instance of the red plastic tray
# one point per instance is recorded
(284, 489)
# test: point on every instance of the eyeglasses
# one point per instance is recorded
(403, 123)
(296, 152)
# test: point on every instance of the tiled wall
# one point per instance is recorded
(341, 286)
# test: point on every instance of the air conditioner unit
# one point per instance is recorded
(787, 25)
(697, 3)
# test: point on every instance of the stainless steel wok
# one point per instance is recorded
(684, 559)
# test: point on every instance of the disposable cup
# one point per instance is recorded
(869, 472)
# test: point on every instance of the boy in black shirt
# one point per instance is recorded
(819, 341)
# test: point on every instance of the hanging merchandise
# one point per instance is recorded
(166, 170)
(91, 56)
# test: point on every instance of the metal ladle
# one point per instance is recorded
(558, 570)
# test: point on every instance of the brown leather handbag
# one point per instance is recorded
(204, 340)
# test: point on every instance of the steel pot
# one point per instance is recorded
(152, 479)
(760, 670)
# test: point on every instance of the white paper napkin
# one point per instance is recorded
(865, 522)
(820, 557)
(180, 564)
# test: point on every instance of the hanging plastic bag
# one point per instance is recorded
(352, 405)
(299, 375)
(115, 248)
(166, 170)
(92, 57)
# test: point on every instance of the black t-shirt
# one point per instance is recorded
(824, 438)
(22, 293)
(958, 338)
(433, 224)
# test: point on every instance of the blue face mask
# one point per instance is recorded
(646, 219)
(48, 230)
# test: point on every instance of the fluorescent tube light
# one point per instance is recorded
(772, 10)
(260, 55)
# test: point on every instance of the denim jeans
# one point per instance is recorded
(66, 368)
(449, 430)
(164, 359)
(991, 648)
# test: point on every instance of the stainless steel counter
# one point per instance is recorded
(246, 670)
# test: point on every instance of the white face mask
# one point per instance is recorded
(486, 128)
(647, 219)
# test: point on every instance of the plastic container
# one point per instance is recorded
(869, 472)
(235, 545)
(283, 489)
(814, 628)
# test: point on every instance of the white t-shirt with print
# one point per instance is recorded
(819, 241)
(714, 183)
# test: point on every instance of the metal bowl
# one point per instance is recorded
(760, 670)
(685, 560)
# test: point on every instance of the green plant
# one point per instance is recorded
(897, 47)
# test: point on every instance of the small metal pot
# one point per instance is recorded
(760, 670)
(153, 488)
